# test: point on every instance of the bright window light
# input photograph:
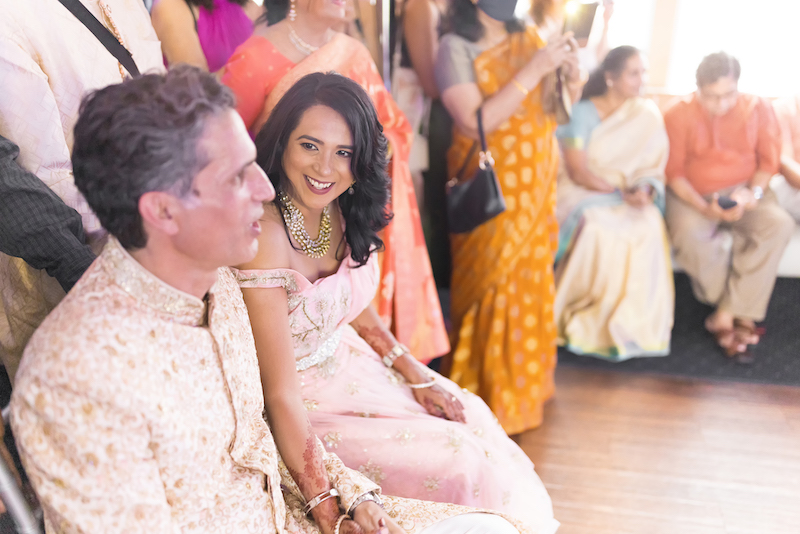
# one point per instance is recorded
(761, 35)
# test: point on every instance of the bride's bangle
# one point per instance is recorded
(369, 496)
(342, 519)
(397, 351)
(423, 385)
(319, 499)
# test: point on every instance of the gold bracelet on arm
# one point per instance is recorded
(342, 519)
(524, 90)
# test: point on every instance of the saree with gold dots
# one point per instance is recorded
(504, 336)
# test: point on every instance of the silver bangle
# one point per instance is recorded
(319, 499)
(423, 385)
(369, 496)
(397, 351)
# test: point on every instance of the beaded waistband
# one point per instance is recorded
(326, 350)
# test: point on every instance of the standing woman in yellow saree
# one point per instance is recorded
(298, 38)
(502, 286)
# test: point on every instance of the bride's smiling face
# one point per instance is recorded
(317, 159)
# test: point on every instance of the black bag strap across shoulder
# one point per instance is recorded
(103, 35)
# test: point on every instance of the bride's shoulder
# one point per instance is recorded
(274, 247)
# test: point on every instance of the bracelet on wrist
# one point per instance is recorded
(338, 526)
(319, 499)
(423, 385)
(397, 351)
(369, 496)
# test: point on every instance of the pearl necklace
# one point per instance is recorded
(313, 248)
(301, 46)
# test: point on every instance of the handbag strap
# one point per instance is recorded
(482, 136)
(460, 173)
(103, 35)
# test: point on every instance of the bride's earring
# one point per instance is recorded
(292, 11)
(350, 191)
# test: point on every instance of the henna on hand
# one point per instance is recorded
(378, 337)
(312, 479)
(440, 403)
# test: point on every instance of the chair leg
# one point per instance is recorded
(10, 491)
(15, 502)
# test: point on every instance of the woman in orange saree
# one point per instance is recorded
(264, 67)
(504, 334)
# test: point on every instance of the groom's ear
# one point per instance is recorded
(160, 212)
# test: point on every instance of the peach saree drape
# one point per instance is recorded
(407, 298)
(502, 289)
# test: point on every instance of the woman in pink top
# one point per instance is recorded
(203, 33)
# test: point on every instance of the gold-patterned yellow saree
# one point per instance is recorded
(504, 336)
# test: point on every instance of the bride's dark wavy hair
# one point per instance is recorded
(366, 212)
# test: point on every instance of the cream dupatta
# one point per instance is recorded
(627, 148)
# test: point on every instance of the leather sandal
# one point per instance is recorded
(745, 357)
(750, 327)
(731, 348)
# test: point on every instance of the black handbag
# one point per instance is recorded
(471, 203)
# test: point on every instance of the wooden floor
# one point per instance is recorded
(627, 453)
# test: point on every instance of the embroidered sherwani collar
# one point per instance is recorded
(149, 290)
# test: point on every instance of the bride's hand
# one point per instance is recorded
(437, 401)
(372, 519)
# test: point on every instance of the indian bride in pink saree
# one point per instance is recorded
(263, 69)
(318, 337)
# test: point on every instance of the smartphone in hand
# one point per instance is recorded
(726, 202)
(579, 19)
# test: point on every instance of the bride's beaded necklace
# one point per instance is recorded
(313, 248)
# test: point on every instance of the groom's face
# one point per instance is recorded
(219, 218)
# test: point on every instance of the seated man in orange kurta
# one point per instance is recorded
(787, 185)
(727, 228)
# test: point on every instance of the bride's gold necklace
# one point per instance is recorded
(313, 248)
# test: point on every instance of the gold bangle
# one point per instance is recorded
(519, 86)
(342, 519)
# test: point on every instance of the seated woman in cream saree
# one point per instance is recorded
(614, 289)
